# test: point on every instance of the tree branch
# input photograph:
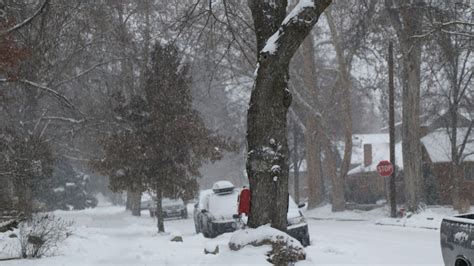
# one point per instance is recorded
(50, 91)
(26, 21)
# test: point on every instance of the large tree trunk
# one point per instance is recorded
(313, 149)
(411, 113)
(338, 185)
(338, 197)
(407, 21)
(313, 160)
(267, 162)
(296, 165)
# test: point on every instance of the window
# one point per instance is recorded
(469, 172)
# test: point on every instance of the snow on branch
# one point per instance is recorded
(441, 27)
(272, 44)
(26, 21)
(65, 119)
(294, 28)
(50, 91)
(85, 72)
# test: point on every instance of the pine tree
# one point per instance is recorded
(167, 140)
(178, 139)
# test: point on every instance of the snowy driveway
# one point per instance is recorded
(109, 236)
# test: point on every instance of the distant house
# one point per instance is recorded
(363, 184)
(437, 147)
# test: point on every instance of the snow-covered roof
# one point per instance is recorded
(380, 151)
(438, 145)
(358, 142)
(445, 112)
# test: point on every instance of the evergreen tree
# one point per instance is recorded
(178, 141)
(167, 140)
(69, 188)
(26, 164)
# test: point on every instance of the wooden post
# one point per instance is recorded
(391, 114)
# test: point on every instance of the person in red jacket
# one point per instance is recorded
(244, 201)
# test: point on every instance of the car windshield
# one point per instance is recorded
(172, 202)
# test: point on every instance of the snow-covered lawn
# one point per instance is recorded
(108, 235)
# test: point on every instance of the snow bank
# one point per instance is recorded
(260, 236)
(284, 247)
(430, 218)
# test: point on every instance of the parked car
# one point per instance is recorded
(147, 201)
(172, 208)
(457, 240)
(215, 209)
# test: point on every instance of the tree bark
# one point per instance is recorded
(159, 210)
(128, 202)
(135, 199)
(267, 162)
(296, 165)
(338, 195)
(313, 160)
(313, 149)
(392, 187)
(407, 21)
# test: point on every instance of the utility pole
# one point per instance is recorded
(391, 115)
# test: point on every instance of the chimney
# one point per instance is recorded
(367, 154)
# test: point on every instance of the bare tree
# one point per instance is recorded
(451, 64)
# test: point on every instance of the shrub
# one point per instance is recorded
(42, 235)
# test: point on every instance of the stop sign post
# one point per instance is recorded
(385, 168)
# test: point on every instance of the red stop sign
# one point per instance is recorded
(385, 168)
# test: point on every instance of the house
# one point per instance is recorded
(437, 147)
(363, 184)
(364, 178)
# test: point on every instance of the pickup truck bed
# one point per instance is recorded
(457, 240)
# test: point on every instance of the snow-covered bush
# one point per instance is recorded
(42, 235)
(68, 189)
(285, 249)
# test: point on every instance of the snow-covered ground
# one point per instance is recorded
(108, 235)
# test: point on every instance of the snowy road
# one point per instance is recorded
(109, 236)
(364, 243)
